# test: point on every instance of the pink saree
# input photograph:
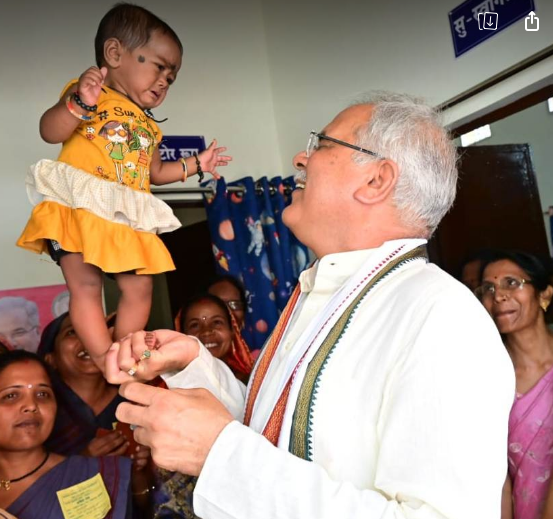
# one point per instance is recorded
(531, 448)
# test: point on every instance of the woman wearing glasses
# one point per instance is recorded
(516, 290)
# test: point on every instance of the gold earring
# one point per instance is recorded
(544, 305)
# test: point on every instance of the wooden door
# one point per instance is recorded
(497, 206)
(190, 248)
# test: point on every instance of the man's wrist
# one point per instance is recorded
(187, 355)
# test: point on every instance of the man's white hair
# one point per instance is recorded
(7, 304)
(408, 131)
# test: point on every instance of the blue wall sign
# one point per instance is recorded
(175, 147)
(474, 21)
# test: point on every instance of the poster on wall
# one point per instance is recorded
(24, 313)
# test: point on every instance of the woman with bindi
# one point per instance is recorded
(31, 475)
(516, 290)
(209, 319)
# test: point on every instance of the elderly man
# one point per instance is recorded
(19, 323)
(384, 390)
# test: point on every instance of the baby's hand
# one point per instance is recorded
(140, 457)
(211, 159)
(90, 84)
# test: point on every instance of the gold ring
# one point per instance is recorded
(146, 354)
(133, 370)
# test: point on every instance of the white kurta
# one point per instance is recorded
(410, 418)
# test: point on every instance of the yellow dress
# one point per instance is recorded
(96, 200)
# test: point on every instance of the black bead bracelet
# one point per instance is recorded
(84, 106)
(200, 172)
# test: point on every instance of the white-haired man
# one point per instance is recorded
(384, 390)
(19, 323)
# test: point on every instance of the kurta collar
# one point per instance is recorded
(332, 270)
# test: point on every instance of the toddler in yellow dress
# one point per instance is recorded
(94, 211)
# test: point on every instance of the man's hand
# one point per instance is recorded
(148, 355)
(211, 159)
(179, 425)
(90, 84)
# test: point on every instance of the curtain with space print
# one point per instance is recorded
(251, 242)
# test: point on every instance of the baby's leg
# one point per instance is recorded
(85, 305)
(134, 305)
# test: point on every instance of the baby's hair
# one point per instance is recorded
(132, 25)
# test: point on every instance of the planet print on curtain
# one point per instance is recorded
(251, 242)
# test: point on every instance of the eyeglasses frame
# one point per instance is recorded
(523, 282)
(321, 136)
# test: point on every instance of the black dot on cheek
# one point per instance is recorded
(141, 59)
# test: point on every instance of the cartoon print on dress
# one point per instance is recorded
(101, 173)
(90, 130)
(130, 168)
(257, 239)
(118, 135)
(143, 141)
(104, 114)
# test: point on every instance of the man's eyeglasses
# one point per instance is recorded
(507, 284)
(313, 144)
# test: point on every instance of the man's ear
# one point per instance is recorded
(381, 181)
(113, 51)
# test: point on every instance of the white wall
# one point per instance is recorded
(322, 52)
(257, 74)
(222, 91)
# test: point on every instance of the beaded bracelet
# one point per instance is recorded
(84, 106)
(184, 169)
(74, 112)
(200, 172)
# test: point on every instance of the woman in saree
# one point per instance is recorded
(30, 475)
(516, 290)
(222, 329)
(86, 402)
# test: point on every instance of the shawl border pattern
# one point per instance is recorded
(301, 439)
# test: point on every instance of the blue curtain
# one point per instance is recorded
(251, 243)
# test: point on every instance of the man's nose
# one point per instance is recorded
(300, 160)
